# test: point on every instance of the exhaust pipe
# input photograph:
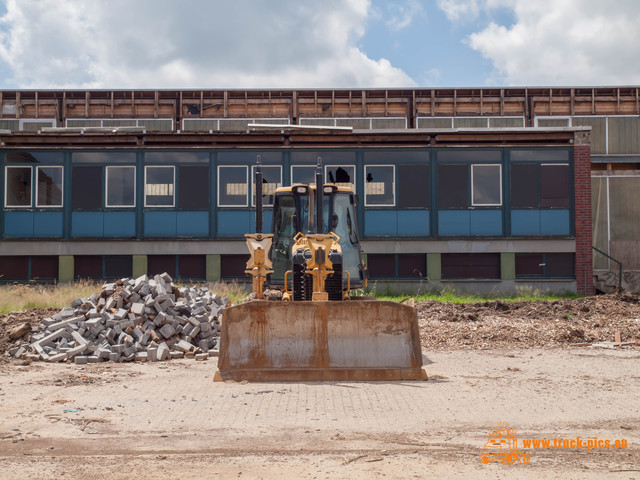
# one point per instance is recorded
(258, 181)
(319, 193)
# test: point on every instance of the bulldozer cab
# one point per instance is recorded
(293, 213)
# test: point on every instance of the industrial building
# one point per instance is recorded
(482, 189)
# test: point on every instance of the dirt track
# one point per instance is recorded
(171, 421)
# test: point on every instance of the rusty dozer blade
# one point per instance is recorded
(320, 341)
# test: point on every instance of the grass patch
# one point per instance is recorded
(15, 297)
(451, 295)
(20, 296)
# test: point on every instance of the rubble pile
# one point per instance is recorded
(142, 320)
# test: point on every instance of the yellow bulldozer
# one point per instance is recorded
(319, 331)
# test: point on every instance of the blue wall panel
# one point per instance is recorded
(193, 224)
(380, 222)
(47, 224)
(119, 224)
(87, 224)
(540, 222)
(234, 223)
(453, 222)
(413, 222)
(267, 217)
(160, 224)
(18, 224)
(486, 222)
(525, 222)
(554, 222)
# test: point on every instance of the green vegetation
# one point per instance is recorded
(452, 295)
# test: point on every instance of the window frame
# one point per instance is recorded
(173, 193)
(473, 203)
(106, 186)
(6, 190)
(38, 167)
(252, 182)
(219, 189)
(326, 175)
(304, 166)
(393, 186)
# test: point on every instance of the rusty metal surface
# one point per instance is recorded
(315, 341)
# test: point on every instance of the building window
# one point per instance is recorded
(87, 266)
(554, 185)
(470, 265)
(453, 186)
(158, 264)
(486, 185)
(271, 179)
(86, 188)
(44, 267)
(381, 265)
(535, 185)
(304, 174)
(121, 187)
(192, 267)
(414, 186)
(379, 185)
(18, 187)
(411, 265)
(233, 266)
(232, 186)
(193, 187)
(403, 265)
(158, 186)
(14, 268)
(341, 175)
(49, 187)
(545, 265)
(118, 266)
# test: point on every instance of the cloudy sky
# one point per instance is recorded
(317, 43)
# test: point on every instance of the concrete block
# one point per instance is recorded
(81, 359)
(92, 323)
(121, 314)
(118, 348)
(213, 353)
(137, 333)
(202, 356)
(137, 308)
(152, 354)
(141, 356)
(51, 337)
(114, 357)
(63, 323)
(167, 331)
(184, 346)
(93, 359)
(76, 350)
(175, 354)
(129, 358)
(162, 353)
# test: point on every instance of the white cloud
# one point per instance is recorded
(568, 42)
(402, 14)
(457, 10)
(190, 44)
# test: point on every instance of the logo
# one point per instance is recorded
(502, 446)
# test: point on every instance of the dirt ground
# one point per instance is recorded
(488, 363)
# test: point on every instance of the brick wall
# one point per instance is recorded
(583, 229)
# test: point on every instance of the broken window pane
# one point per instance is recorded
(379, 185)
(343, 175)
(271, 179)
